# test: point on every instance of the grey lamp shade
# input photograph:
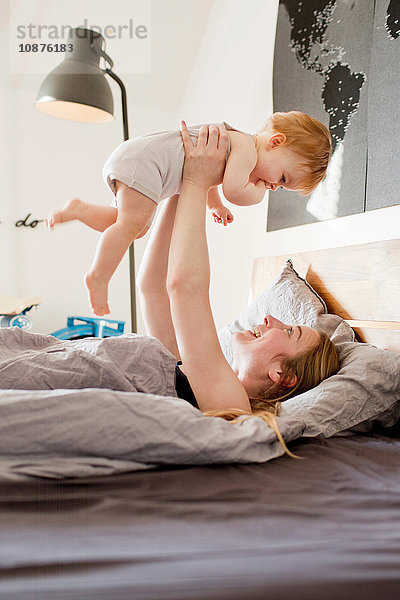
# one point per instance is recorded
(77, 88)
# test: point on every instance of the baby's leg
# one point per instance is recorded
(96, 216)
(134, 211)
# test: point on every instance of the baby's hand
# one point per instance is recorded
(222, 215)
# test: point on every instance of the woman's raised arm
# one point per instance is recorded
(214, 383)
(152, 277)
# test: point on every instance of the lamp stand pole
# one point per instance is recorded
(132, 274)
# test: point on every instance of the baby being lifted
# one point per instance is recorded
(291, 151)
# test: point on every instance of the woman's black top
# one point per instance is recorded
(182, 386)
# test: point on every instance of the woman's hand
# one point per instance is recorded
(205, 163)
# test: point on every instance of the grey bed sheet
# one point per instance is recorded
(326, 527)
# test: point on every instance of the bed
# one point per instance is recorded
(327, 526)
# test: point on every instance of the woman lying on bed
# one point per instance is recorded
(273, 361)
(270, 363)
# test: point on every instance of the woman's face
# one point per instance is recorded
(257, 353)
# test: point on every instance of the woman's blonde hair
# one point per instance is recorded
(310, 367)
(308, 138)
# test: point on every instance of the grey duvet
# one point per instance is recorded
(127, 417)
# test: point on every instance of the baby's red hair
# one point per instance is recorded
(309, 139)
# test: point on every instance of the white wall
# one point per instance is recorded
(46, 161)
(211, 61)
(232, 80)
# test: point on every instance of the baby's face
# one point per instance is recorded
(277, 166)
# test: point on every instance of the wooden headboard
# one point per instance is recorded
(360, 283)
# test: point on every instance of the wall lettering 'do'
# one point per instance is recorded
(337, 60)
(28, 222)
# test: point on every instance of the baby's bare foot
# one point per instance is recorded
(69, 212)
(98, 292)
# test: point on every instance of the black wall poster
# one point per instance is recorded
(339, 61)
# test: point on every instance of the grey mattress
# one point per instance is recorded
(326, 527)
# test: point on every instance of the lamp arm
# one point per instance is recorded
(108, 60)
(123, 100)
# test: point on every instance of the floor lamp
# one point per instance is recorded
(78, 90)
